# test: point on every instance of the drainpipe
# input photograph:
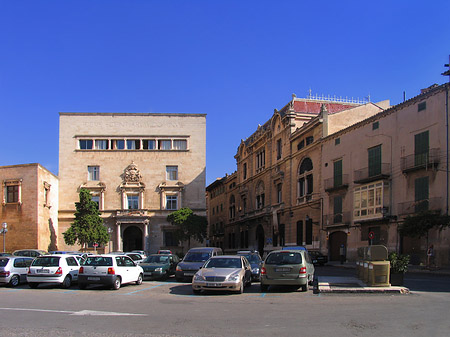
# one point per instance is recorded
(447, 73)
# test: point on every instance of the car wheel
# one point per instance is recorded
(82, 286)
(67, 282)
(14, 282)
(33, 285)
(165, 276)
(196, 291)
(117, 283)
(179, 279)
(305, 287)
(139, 280)
(264, 287)
(241, 288)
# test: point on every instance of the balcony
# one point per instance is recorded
(414, 207)
(337, 219)
(414, 162)
(369, 174)
(336, 183)
(131, 213)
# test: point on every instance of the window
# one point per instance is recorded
(96, 198)
(101, 144)
(309, 231)
(421, 194)
(337, 173)
(133, 144)
(260, 160)
(179, 144)
(281, 231)
(337, 141)
(374, 155)
(422, 106)
(368, 200)
(164, 144)
(12, 194)
(46, 194)
(171, 202)
(85, 144)
(93, 173)
(172, 172)
(301, 145)
(421, 148)
(279, 149)
(337, 209)
(309, 140)
(118, 144)
(305, 181)
(279, 194)
(232, 207)
(260, 196)
(244, 168)
(133, 201)
(375, 125)
(299, 233)
(148, 144)
(170, 239)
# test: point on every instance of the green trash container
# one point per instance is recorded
(378, 274)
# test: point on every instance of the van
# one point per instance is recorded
(194, 259)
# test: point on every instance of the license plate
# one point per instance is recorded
(93, 278)
(282, 269)
(188, 274)
(43, 271)
(213, 284)
(149, 273)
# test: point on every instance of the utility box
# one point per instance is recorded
(365, 272)
(378, 274)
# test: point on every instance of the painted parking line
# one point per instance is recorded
(77, 313)
(137, 291)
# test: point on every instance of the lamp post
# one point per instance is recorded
(110, 230)
(4, 230)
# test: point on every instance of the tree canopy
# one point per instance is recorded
(188, 225)
(88, 225)
(418, 225)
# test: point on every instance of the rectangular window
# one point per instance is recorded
(368, 200)
(421, 194)
(337, 141)
(260, 160)
(374, 155)
(12, 193)
(96, 199)
(375, 125)
(170, 239)
(244, 168)
(164, 144)
(85, 144)
(133, 201)
(421, 148)
(179, 144)
(101, 144)
(172, 172)
(309, 140)
(93, 173)
(309, 231)
(337, 209)
(148, 144)
(171, 202)
(118, 144)
(279, 149)
(279, 194)
(337, 173)
(133, 144)
(301, 145)
(422, 106)
(299, 233)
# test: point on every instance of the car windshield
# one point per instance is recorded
(252, 258)
(98, 261)
(156, 259)
(196, 257)
(46, 261)
(135, 257)
(284, 258)
(3, 262)
(224, 263)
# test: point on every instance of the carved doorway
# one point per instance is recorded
(132, 239)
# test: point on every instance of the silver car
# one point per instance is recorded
(223, 273)
(56, 268)
(13, 270)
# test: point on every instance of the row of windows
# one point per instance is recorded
(94, 173)
(132, 144)
(133, 200)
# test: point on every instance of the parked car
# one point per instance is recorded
(13, 269)
(223, 273)
(137, 258)
(255, 261)
(5, 254)
(164, 251)
(318, 258)
(193, 260)
(56, 268)
(111, 270)
(29, 252)
(287, 267)
(143, 254)
(159, 266)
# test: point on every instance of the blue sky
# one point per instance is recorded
(236, 61)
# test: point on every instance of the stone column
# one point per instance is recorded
(118, 237)
(146, 238)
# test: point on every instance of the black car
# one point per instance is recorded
(318, 258)
(255, 261)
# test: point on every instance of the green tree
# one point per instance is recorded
(88, 225)
(419, 225)
(188, 225)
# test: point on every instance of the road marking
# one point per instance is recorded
(77, 313)
(136, 291)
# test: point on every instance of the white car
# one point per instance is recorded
(110, 270)
(56, 268)
(14, 269)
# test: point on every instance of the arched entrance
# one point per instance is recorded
(260, 239)
(132, 239)
(336, 239)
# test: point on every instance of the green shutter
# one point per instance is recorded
(421, 148)
(337, 209)
(374, 161)
(337, 173)
(421, 194)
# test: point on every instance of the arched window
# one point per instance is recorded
(232, 207)
(260, 195)
(305, 181)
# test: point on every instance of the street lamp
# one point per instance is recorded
(110, 230)
(3, 231)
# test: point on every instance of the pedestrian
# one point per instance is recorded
(342, 253)
(430, 256)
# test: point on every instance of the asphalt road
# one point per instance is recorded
(170, 309)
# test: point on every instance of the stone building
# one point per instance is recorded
(384, 168)
(139, 168)
(29, 207)
(274, 199)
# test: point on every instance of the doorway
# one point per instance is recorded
(337, 239)
(132, 239)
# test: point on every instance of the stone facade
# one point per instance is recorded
(29, 207)
(138, 167)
